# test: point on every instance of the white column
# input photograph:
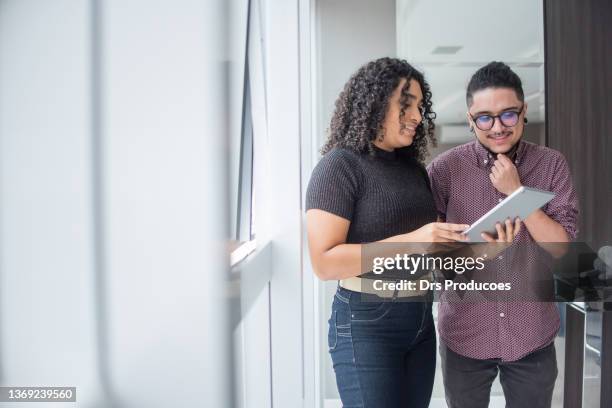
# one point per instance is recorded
(283, 79)
(165, 176)
(47, 294)
(113, 205)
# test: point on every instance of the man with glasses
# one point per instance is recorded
(516, 339)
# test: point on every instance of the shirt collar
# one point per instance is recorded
(486, 158)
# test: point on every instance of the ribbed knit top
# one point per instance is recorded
(381, 195)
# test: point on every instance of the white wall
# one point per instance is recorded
(285, 229)
(164, 187)
(48, 329)
(113, 207)
(349, 34)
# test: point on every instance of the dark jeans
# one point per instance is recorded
(528, 382)
(384, 353)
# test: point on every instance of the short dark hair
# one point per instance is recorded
(362, 106)
(494, 75)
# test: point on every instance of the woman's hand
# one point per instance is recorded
(506, 234)
(438, 232)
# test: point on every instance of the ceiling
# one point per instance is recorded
(449, 40)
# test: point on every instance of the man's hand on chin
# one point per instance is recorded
(504, 175)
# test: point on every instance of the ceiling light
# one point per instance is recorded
(446, 49)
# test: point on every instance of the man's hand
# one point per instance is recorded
(506, 232)
(504, 175)
(505, 235)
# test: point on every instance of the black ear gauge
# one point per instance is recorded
(525, 120)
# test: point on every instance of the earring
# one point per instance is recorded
(472, 129)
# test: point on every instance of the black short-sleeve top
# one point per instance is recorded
(382, 195)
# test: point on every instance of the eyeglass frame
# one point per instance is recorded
(495, 117)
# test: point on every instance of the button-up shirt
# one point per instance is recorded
(463, 193)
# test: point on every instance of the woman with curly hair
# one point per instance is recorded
(371, 186)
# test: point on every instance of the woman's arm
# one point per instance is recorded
(333, 258)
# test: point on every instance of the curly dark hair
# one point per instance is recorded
(362, 105)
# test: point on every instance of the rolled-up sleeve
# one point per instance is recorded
(563, 208)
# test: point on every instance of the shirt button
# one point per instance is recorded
(501, 314)
(486, 161)
(500, 257)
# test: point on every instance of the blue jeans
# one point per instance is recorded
(384, 353)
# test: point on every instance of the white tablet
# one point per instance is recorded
(521, 203)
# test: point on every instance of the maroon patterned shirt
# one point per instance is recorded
(463, 193)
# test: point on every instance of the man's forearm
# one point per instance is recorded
(542, 228)
(547, 233)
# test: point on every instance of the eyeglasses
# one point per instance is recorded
(486, 122)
